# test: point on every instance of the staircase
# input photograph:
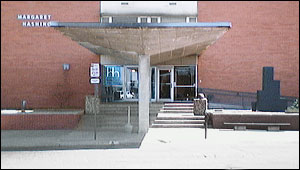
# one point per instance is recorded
(178, 115)
(113, 116)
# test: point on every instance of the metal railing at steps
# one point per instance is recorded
(234, 99)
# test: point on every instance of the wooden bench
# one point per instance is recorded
(271, 126)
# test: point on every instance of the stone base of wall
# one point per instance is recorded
(43, 121)
(218, 119)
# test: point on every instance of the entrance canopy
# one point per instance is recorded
(161, 41)
(148, 44)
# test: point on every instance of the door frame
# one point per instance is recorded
(195, 85)
(126, 78)
(171, 81)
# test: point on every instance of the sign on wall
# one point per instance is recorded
(94, 80)
(35, 20)
(113, 75)
(95, 70)
(95, 73)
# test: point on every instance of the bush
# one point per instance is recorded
(294, 107)
(296, 104)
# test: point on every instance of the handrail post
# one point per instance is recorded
(205, 124)
(128, 115)
(128, 126)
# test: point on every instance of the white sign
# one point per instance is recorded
(34, 17)
(34, 20)
(94, 80)
(111, 72)
(95, 70)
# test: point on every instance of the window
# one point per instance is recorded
(194, 19)
(146, 19)
(112, 83)
(106, 20)
(143, 20)
(191, 19)
(155, 19)
(132, 83)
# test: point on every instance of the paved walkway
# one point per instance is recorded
(80, 138)
(176, 149)
(83, 137)
(67, 139)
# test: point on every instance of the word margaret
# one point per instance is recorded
(35, 23)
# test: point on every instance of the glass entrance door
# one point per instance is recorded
(165, 84)
(184, 84)
(132, 83)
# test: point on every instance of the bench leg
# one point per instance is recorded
(273, 128)
(239, 127)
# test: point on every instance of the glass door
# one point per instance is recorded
(131, 91)
(165, 84)
(184, 84)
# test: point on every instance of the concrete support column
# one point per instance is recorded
(144, 92)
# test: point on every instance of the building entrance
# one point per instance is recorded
(184, 83)
(168, 83)
(165, 83)
(176, 83)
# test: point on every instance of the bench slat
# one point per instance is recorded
(259, 124)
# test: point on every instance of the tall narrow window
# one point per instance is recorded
(155, 19)
(106, 20)
(191, 19)
(148, 19)
(144, 19)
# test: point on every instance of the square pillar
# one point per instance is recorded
(144, 92)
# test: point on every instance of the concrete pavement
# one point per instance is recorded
(175, 148)
(67, 139)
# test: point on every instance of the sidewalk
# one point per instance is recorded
(67, 139)
(175, 148)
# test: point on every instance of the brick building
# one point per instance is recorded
(32, 58)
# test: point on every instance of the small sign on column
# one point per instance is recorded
(95, 70)
(95, 73)
(95, 81)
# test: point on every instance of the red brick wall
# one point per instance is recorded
(262, 34)
(32, 58)
(39, 121)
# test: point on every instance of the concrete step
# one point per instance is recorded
(176, 111)
(120, 113)
(177, 121)
(179, 105)
(89, 124)
(174, 114)
(126, 106)
(177, 126)
(178, 115)
(180, 118)
(177, 108)
(122, 108)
